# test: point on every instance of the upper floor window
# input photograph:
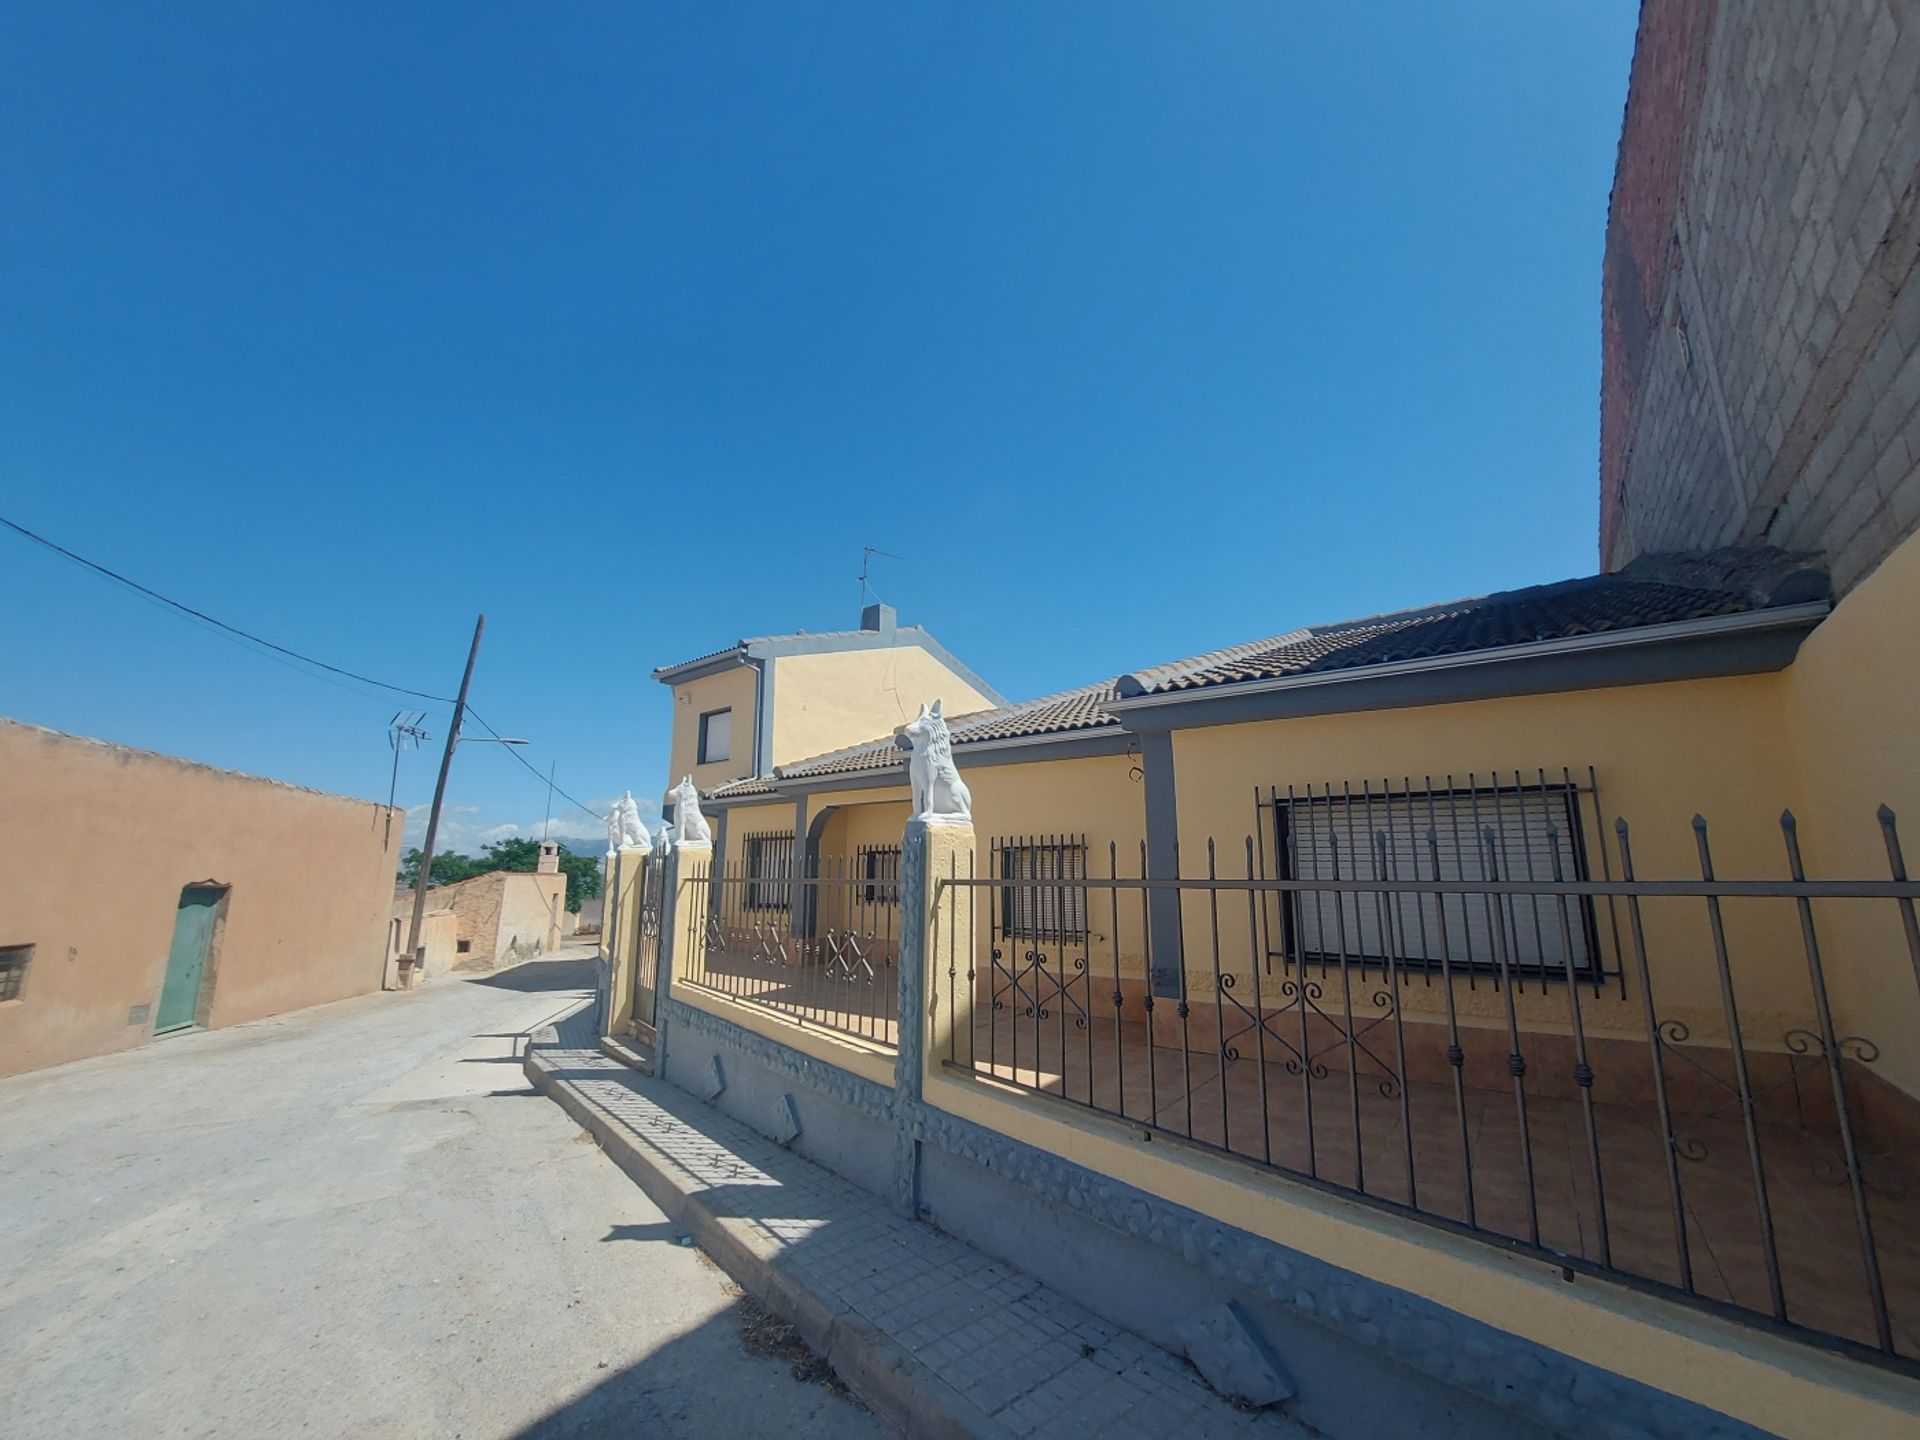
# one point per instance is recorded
(716, 736)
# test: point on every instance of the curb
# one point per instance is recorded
(889, 1381)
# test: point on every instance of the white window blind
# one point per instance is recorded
(1328, 837)
(1037, 906)
(716, 736)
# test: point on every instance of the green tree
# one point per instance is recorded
(449, 868)
(516, 853)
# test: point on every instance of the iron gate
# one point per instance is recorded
(650, 888)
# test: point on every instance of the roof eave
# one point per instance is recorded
(697, 669)
(1751, 642)
(1085, 742)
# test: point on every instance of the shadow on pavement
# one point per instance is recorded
(543, 975)
(699, 1384)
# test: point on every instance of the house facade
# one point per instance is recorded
(1533, 977)
(149, 895)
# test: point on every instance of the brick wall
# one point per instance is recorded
(1760, 303)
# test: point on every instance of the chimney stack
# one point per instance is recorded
(879, 618)
(549, 857)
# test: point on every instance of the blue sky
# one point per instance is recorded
(1136, 329)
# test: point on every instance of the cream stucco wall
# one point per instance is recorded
(503, 916)
(1660, 753)
(96, 843)
(1853, 712)
(1829, 738)
(736, 689)
(829, 701)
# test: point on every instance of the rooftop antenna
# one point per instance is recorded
(867, 552)
(403, 733)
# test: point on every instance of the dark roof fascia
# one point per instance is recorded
(743, 802)
(1749, 643)
(1016, 750)
(774, 647)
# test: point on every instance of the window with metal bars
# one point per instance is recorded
(1516, 833)
(769, 871)
(879, 868)
(1047, 899)
(14, 960)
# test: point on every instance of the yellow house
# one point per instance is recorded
(1549, 956)
(770, 700)
(1499, 739)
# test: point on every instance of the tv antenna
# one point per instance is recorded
(403, 733)
(867, 552)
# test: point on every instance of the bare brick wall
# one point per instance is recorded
(1760, 304)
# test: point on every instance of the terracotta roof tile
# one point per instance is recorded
(1654, 590)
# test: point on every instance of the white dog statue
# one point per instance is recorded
(689, 825)
(939, 794)
(624, 826)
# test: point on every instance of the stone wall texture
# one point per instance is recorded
(1760, 306)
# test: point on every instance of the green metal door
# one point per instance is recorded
(187, 960)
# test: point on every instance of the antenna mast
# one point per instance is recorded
(867, 552)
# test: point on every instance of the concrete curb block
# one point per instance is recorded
(627, 1055)
(896, 1387)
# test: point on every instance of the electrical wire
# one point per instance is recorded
(204, 618)
(264, 646)
(514, 751)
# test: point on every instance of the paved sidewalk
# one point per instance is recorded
(933, 1334)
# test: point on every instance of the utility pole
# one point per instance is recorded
(410, 971)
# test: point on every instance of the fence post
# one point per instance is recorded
(683, 918)
(603, 961)
(936, 937)
(613, 936)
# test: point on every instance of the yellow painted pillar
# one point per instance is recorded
(619, 930)
(688, 879)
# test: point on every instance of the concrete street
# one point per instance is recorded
(357, 1220)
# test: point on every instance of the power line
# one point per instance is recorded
(265, 645)
(204, 618)
(543, 779)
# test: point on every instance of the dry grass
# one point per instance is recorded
(764, 1333)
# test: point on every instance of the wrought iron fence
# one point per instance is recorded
(817, 942)
(1658, 1080)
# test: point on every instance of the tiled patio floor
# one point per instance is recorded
(1362, 1131)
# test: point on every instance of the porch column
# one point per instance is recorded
(799, 917)
(1163, 860)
